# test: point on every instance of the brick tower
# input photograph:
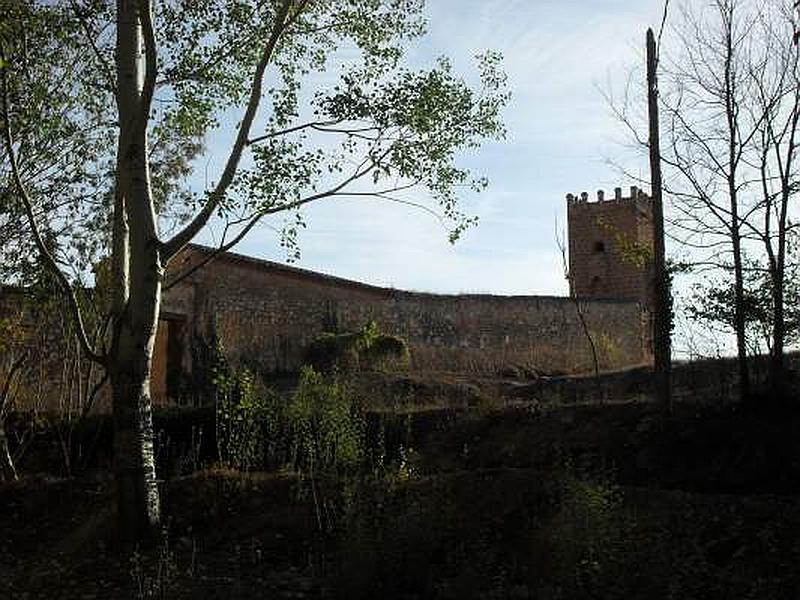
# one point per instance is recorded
(610, 246)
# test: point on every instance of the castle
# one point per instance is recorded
(266, 314)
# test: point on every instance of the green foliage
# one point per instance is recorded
(577, 537)
(324, 427)
(385, 348)
(672, 269)
(61, 117)
(318, 428)
(713, 301)
(241, 410)
(608, 352)
(403, 128)
(366, 348)
(241, 406)
(587, 527)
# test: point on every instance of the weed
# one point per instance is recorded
(156, 582)
(242, 408)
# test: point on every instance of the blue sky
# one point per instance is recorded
(560, 133)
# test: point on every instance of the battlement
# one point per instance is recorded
(636, 193)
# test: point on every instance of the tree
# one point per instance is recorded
(728, 91)
(712, 305)
(106, 108)
(776, 80)
(707, 141)
(735, 95)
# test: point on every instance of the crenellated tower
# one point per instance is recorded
(610, 245)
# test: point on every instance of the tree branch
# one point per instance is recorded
(104, 66)
(183, 237)
(322, 127)
(334, 191)
(151, 59)
(47, 257)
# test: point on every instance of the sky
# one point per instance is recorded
(558, 55)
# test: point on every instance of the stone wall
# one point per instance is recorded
(266, 314)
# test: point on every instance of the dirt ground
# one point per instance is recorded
(616, 501)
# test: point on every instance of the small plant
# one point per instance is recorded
(607, 350)
(325, 425)
(242, 409)
(158, 582)
(586, 533)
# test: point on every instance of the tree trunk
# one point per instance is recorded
(735, 227)
(134, 460)
(777, 372)
(138, 273)
(738, 310)
(777, 364)
(134, 463)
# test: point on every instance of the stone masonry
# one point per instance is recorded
(610, 244)
(266, 314)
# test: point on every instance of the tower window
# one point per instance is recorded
(594, 286)
(599, 247)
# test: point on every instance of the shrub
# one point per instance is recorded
(319, 427)
(324, 425)
(396, 542)
(242, 409)
(366, 348)
(583, 544)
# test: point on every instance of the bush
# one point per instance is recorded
(242, 408)
(584, 545)
(319, 427)
(367, 349)
(324, 426)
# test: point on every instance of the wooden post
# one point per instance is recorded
(661, 291)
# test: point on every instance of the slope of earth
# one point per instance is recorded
(616, 501)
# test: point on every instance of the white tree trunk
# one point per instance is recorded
(138, 274)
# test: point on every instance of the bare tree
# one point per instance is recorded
(738, 92)
(708, 141)
(579, 307)
(776, 84)
(728, 101)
